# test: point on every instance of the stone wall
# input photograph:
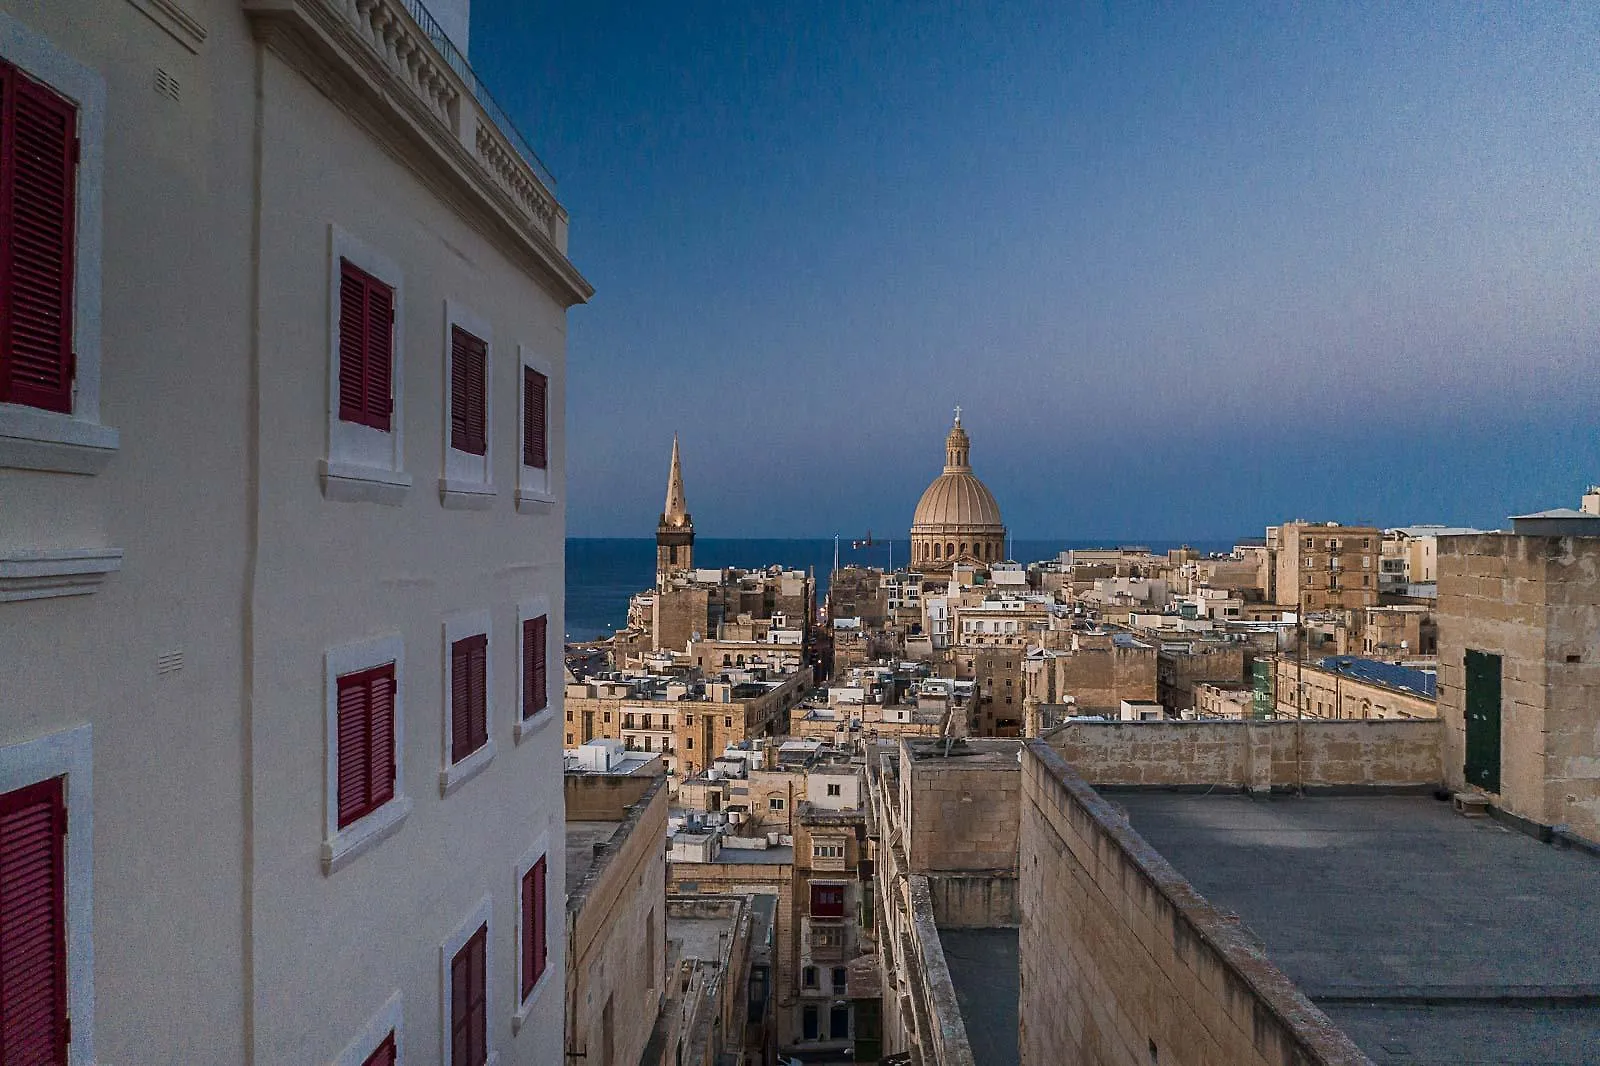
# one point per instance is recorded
(616, 922)
(961, 811)
(1100, 678)
(1122, 961)
(1535, 602)
(974, 901)
(1259, 755)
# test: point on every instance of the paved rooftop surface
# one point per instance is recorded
(1430, 938)
(776, 856)
(581, 839)
(983, 965)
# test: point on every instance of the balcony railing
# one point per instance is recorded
(480, 92)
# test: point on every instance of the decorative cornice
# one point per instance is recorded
(373, 60)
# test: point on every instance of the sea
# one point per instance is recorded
(604, 572)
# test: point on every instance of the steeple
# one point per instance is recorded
(957, 449)
(676, 512)
(675, 531)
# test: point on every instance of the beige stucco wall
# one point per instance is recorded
(168, 748)
(1118, 953)
(1534, 601)
(218, 937)
(1328, 694)
(403, 568)
(1382, 754)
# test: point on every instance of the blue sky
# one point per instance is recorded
(1188, 269)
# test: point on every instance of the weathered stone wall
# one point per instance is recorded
(1123, 962)
(974, 901)
(1101, 678)
(1395, 753)
(606, 797)
(616, 950)
(679, 615)
(1534, 601)
(1177, 671)
(963, 810)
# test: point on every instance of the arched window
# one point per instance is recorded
(949, 551)
(963, 547)
(727, 660)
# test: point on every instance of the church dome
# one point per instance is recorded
(957, 517)
(957, 499)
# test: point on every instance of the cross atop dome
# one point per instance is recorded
(958, 414)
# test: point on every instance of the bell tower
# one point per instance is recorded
(675, 531)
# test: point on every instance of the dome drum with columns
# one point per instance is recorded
(957, 519)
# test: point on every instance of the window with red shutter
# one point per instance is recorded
(366, 755)
(468, 1002)
(535, 948)
(366, 348)
(38, 215)
(469, 703)
(33, 935)
(535, 419)
(384, 1054)
(535, 677)
(469, 361)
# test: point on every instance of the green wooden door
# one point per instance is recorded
(1483, 720)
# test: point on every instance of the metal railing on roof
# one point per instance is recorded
(458, 63)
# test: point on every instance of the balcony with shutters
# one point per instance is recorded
(390, 64)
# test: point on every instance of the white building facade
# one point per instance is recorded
(281, 541)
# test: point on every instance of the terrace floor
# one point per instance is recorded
(1431, 939)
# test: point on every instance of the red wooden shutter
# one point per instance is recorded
(381, 754)
(535, 419)
(535, 676)
(38, 212)
(540, 940)
(478, 690)
(354, 748)
(468, 1002)
(380, 355)
(535, 693)
(366, 755)
(33, 935)
(468, 696)
(366, 348)
(469, 357)
(529, 956)
(383, 1054)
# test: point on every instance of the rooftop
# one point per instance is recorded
(782, 855)
(983, 967)
(581, 855)
(1404, 678)
(1429, 938)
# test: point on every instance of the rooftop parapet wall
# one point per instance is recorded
(1122, 961)
(1388, 754)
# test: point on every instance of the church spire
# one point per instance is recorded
(675, 533)
(677, 509)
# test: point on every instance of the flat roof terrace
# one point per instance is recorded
(1429, 938)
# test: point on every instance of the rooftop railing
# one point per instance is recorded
(458, 63)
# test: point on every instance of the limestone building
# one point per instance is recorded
(281, 541)
(1326, 566)
(957, 519)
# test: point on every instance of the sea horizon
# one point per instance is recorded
(603, 573)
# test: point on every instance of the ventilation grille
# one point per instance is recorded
(169, 662)
(167, 85)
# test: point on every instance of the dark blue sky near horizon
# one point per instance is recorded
(1188, 269)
